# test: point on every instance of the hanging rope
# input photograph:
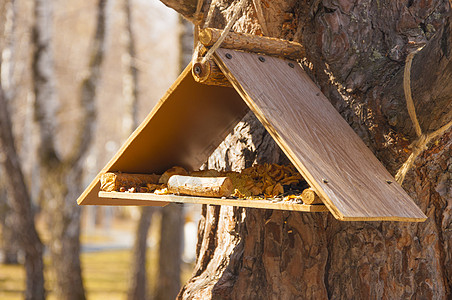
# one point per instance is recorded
(223, 35)
(420, 144)
(197, 14)
(226, 30)
(407, 90)
(197, 21)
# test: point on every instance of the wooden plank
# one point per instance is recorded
(267, 204)
(184, 128)
(351, 181)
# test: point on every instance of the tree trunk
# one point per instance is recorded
(21, 204)
(22, 217)
(170, 252)
(138, 281)
(61, 177)
(356, 53)
(172, 226)
(9, 242)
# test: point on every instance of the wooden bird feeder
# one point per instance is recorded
(193, 118)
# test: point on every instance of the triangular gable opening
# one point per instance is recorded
(192, 119)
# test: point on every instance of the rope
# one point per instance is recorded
(420, 144)
(197, 14)
(225, 32)
(197, 22)
(209, 13)
(407, 90)
(418, 147)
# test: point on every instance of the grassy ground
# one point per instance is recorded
(105, 274)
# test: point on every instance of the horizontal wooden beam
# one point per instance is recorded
(253, 43)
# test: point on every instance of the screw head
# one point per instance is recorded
(325, 180)
(388, 181)
(197, 70)
(261, 58)
(228, 55)
(291, 65)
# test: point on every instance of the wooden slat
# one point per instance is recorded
(352, 183)
(267, 204)
(184, 128)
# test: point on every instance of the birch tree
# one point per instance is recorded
(22, 212)
(62, 176)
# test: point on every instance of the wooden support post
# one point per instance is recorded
(200, 186)
(209, 73)
(253, 43)
(310, 197)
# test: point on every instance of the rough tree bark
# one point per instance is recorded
(356, 52)
(172, 226)
(61, 177)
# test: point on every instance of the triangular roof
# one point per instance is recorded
(192, 119)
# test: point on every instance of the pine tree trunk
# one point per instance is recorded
(356, 53)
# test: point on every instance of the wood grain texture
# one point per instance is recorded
(310, 197)
(339, 167)
(183, 129)
(152, 199)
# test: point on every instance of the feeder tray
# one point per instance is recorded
(192, 119)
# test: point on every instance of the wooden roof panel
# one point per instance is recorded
(323, 147)
(184, 128)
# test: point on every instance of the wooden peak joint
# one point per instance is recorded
(209, 73)
(253, 43)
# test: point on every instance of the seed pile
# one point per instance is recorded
(279, 182)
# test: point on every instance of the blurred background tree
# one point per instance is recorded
(21, 216)
(70, 82)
